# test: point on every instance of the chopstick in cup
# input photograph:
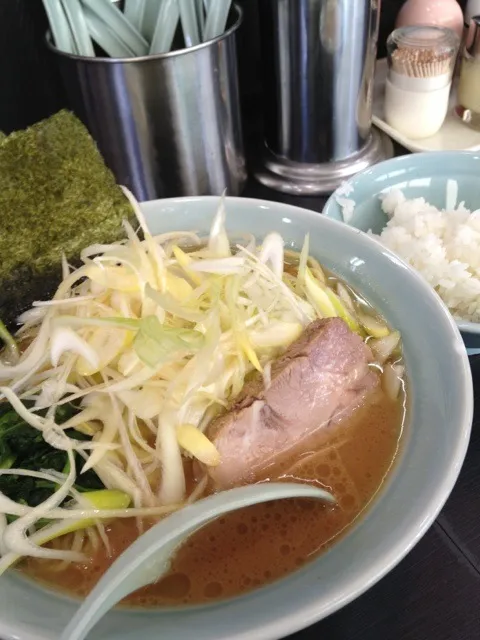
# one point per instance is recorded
(166, 26)
(62, 36)
(150, 16)
(188, 18)
(107, 40)
(217, 15)
(134, 11)
(200, 11)
(78, 27)
(116, 23)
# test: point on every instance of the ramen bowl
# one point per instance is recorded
(435, 442)
(437, 177)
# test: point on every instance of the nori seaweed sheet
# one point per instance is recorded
(56, 195)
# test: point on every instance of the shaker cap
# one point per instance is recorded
(422, 51)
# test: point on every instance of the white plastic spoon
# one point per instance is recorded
(148, 558)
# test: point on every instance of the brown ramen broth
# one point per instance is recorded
(351, 457)
(260, 544)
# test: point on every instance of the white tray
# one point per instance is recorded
(453, 136)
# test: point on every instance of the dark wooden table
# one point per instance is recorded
(434, 593)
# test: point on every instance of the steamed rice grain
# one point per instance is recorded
(443, 245)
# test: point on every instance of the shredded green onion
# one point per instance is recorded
(151, 340)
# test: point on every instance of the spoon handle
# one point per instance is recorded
(149, 557)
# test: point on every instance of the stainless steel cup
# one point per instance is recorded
(318, 61)
(169, 124)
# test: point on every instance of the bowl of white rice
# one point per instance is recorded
(425, 207)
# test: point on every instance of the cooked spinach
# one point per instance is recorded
(23, 447)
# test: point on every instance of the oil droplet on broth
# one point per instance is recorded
(213, 590)
(269, 540)
(174, 586)
(323, 471)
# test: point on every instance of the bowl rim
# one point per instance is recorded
(308, 614)
(376, 170)
(403, 158)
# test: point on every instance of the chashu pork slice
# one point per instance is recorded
(323, 376)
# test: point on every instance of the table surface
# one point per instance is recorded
(434, 593)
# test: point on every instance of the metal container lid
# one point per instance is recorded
(438, 39)
(422, 51)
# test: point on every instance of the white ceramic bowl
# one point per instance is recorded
(419, 175)
(435, 443)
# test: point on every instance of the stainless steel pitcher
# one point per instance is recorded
(318, 61)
